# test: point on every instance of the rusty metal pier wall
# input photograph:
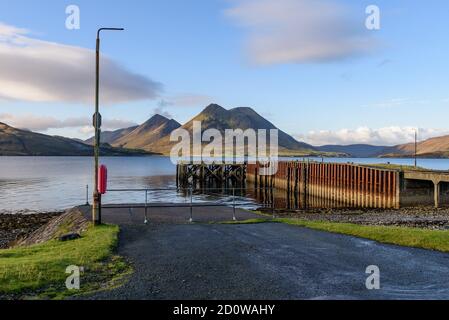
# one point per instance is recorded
(348, 185)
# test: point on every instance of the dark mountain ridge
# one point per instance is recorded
(111, 136)
(17, 142)
(357, 150)
(217, 117)
(150, 132)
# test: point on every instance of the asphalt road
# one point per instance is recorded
(270, 261)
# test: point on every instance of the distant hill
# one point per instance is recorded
(17, 142)
(216, 117)
(153, 137)
(357, 150)
(432, 148)
(111, 136)
(147, 134)
(435, 147)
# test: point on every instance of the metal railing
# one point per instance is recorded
(190, 196)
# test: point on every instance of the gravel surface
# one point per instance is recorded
(421, 217)
(178, 260)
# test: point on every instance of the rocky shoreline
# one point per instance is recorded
(419, 217)
(18, 226)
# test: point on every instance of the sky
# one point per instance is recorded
(312, 67)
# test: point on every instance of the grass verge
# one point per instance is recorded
(392, 166)
(38, 271)
(410, 237)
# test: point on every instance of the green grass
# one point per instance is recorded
(249, 221)
(39, 270)
(410, 237)
(403, 236)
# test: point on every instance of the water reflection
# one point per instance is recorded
(152, 183)
(282, 199)
(252, 198)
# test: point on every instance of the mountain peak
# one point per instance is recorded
(5, 127)
(158, 117)
(155, 121)
(214, 108)
(148, 133)
(212, 111)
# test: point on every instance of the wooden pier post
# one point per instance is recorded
(436, 193)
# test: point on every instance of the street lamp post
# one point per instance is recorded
(96, 207)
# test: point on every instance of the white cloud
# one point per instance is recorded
(387, 136)
(86, 130)
(44, 123)
(41, 71)
(301, 31)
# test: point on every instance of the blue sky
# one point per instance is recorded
(322, 77)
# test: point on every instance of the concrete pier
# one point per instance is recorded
(439, 180)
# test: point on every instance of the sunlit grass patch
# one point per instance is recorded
(392, 166)
(249, 221)
(404, 236)
(41, 268)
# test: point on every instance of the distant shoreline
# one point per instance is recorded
(84, 156)
(141, 155)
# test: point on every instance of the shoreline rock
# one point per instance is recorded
(18, 226)
(70, 222)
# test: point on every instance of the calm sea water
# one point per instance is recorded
(56, 183)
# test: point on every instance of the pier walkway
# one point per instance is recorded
(436, 177)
